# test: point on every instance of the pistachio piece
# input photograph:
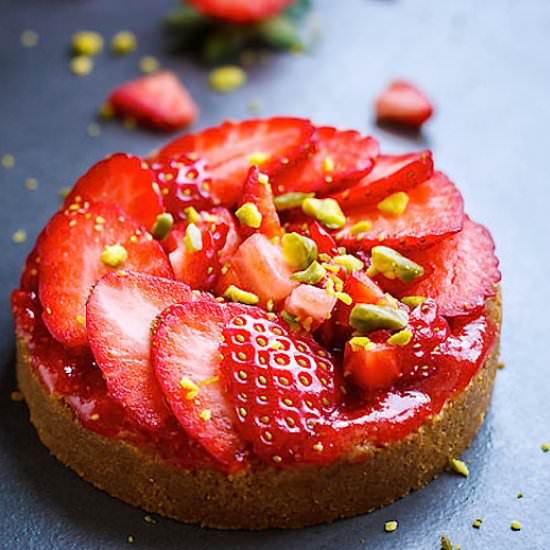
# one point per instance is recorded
(350, 262)
(249, 215)
(413, 301)
(395, 204)
(515, 525)
(459, 467)
(476, 524)
(298, 250)
(227, 78)
(401, 338)
(312, 275)
(360, 342)
(123, 42)
(393, 265)
(258, 158)
(291, 200)
(390, 526)
(87, 43)
(236, 294)
(113, 255)
(368, 317)
(364, 226)
(193, 238)
(325, 211)
(162, 225)
(191, 214)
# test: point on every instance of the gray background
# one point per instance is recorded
(486, 66)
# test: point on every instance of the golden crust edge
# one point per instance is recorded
(266, 497)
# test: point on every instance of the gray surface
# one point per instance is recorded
(486, 65)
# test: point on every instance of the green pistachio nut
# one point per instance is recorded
(236, 294)
(349, 262)
(162, 225)
(249, 215)
(114, 255)
(394, 204)
(193, 238)
(413, 301)
(369, 317)
(298, 250)
(291, 200)
(191, 214)
(393, 265)
(312, 275)
(401, 338)
(325, 211)
(360, 342)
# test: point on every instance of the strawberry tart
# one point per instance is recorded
(265, 324)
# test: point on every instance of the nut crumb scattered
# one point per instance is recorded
(500, 365)
(519, 495)
(20, 236)
(149, 64)
(255, 106)
(149, 519)
(390, 526)
(124, 42)
(476, 524)
(29, 38)
(515, 525)
(31, 184)
(131, 539)
(227, 78)
(459, 467)
(446, 544)
(545, 447)
(8, 160)
(93, 129)
(81, 65)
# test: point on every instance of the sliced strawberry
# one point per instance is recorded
(282, 388)
(232, 239)
(260, 194)
(435, 211)
(260, 267)
(404, 104)
(230, 149)
(158, 100)
(240, 11)
(463, 271)
(119, 315)
(200, 269)
(70, 262)
(325, 241)
(124, 180)
(391, 173)
(183, 182)
(310, 304)
(185, 352)
(340, 159)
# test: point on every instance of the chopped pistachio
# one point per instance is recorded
(8, 160)
(227, 78)
(515, 525)
(393, 265)
(291, 200)
(344, 297)
(390, 526)
(123, 42)
(545, 447)
(395, 204)
(87, 43)
(364, 226)
(360, 342)
(249, 215)
(325, 211)
(31, 184)
(20, 236)
(459, 467)
(81, 65)
(93, 129)
(519, 495)
(114, 255)
(193, 238)
(131, 539)
(106, 111)
(205, 415)
(298, 250)
(258, 158)
(476, 524)
(29, 38)
(314, 273)
(446, 543)
(162, 225)
(350, 262)
(236, 294)
(191, 215)
(149, 64)
(413, 301)
(290, 319)
(368, 317)
(401, 338)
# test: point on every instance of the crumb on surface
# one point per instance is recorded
(8, 160)
(123, 42)
(545, 447)
(31, 184)
(459, 467)
(391, 526)
(515, 525)
(93, 129)
(20, 236)
(149, 64)
(131, 539)
(226, 78)
(29, 38)
(81, 65)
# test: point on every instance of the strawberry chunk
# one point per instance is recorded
(390, 173)
(183, 182)
(260, 267)
(231, 148)
(404, 104)
(462, 271)
(325, 241)
(158, 100)
(119, 315)
(310, 304)
(71, 252)
(282, 388)
(185, 353)
(240, 11)
(259, 194)
(124, 180)
(435, 210)
(340, 158)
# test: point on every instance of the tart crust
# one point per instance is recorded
(263, 497)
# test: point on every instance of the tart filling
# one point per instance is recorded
(262, 292)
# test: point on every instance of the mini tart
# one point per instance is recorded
(369, 478)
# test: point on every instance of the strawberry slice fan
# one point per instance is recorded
(263, 306)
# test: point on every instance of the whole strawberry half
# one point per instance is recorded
(340, 158)
(71, 251)
(282, 388)
(240, 11)
(183, 182)
(158, 100)
(119, 316)
(124, 180)
(434, 211)
(231, 148)
(404, 104)
(186, 357)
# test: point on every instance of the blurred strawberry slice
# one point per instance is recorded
(240, 11)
